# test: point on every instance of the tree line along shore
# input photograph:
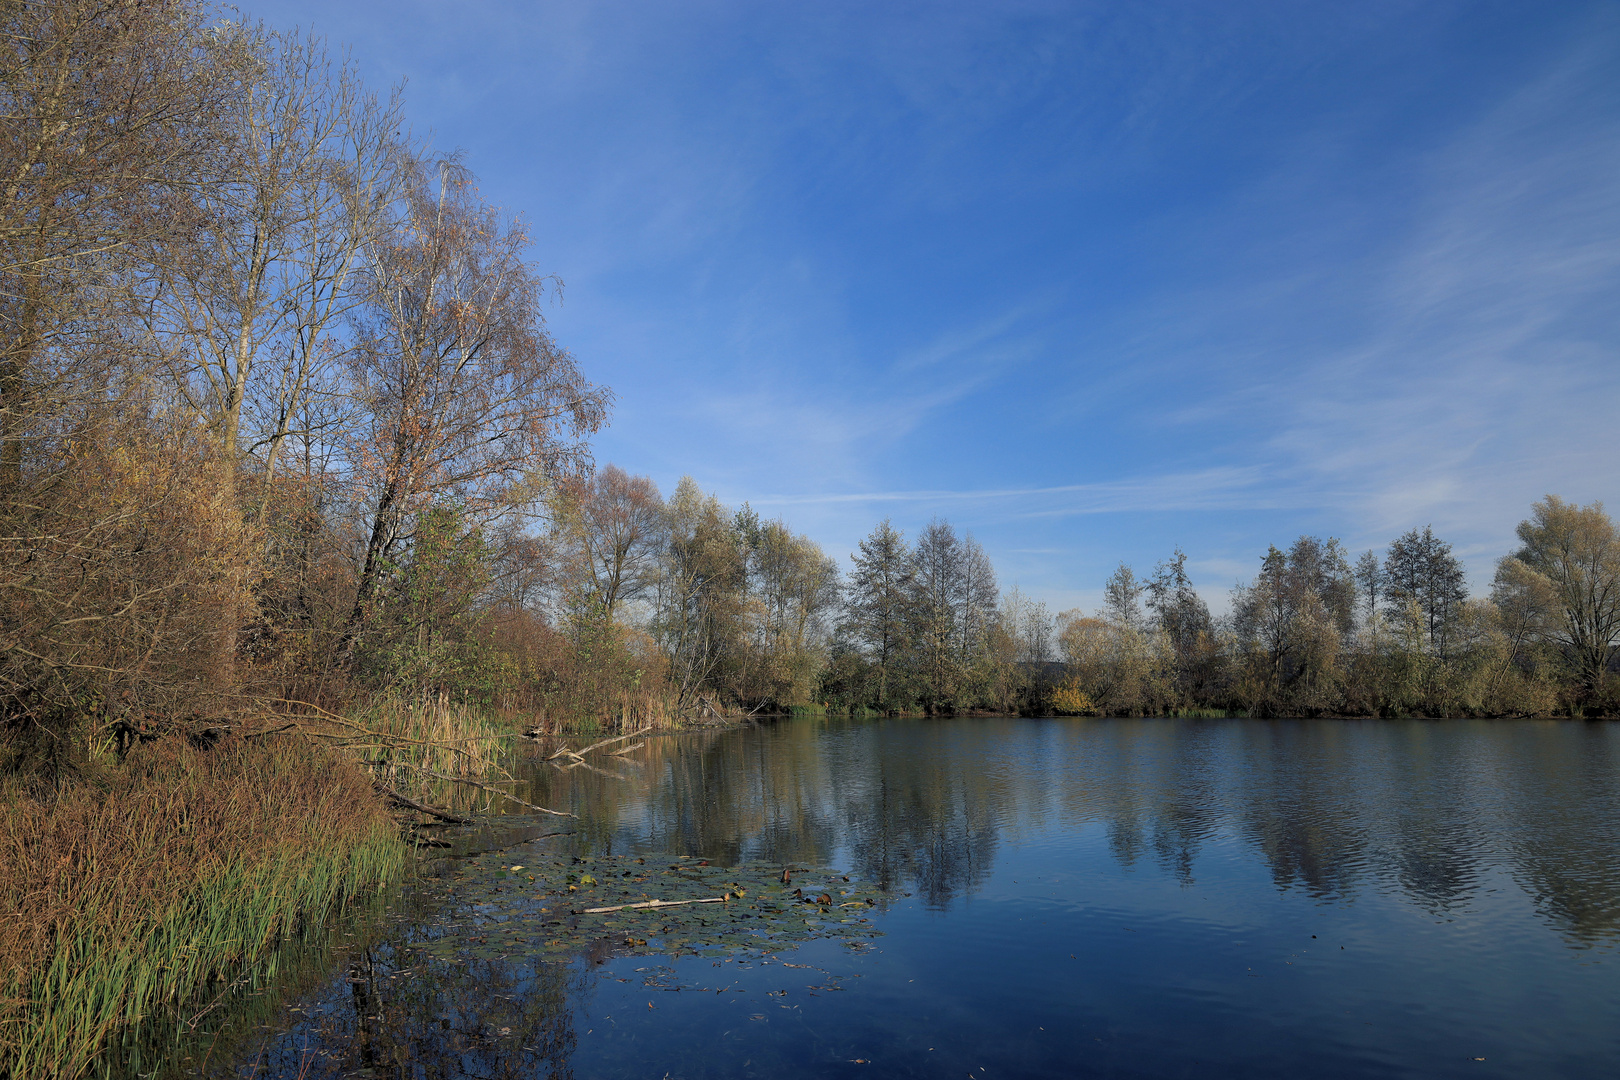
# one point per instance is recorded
(299, 522)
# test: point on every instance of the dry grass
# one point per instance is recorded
(134, 895)
(431, 748)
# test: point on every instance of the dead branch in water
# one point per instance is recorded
(477, 784)
(657, 903)
(565, 752)
(421, 808)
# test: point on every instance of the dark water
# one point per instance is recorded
(1130, 898)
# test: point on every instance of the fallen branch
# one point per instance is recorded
(389, 738)
(421, 808)
(626, 750)
(597, 746)
(656, 903)
(480, 785)
(268, 731)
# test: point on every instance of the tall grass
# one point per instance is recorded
(175, 872)
(444, 751)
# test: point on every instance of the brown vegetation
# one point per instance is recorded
(125, 896)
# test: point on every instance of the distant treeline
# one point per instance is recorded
(282, 427)
(1312, 634)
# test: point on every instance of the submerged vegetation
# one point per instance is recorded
(556, 908)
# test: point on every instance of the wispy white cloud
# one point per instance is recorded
(1092, 281)
(1226, 487)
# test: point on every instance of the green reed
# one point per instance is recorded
(178, 881)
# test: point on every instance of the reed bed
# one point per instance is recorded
(170, 876)
(442, 751)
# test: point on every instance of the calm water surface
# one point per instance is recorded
(1123, 898)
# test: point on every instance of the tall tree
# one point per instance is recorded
(1180, 611)
(611, 533)
(251, 302)
(1567, 572)
(466, 396)
(796, 586)
(938, 586)
(108, 112)
(979, 598)
(1369, 578)
(1422, 575)
(1320, 567)
(1122, 598)
(1030, 627)
(879, 599)
(1184, 618)
(701, 594)
(1295, 613)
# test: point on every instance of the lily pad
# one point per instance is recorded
(560, 907)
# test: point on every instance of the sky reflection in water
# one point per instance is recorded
(1088, 897)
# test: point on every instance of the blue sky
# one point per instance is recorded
(1089, 280)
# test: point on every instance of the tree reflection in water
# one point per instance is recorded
(1428, 809)
(495, 1018)
(1507, 821)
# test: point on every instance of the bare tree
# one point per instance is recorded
(1369, 578)
(1122, 597)
(465, 396)
(107, 110)
(251, 302)
(979, 598)
(611, 532)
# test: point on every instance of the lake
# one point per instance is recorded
(1048, 897)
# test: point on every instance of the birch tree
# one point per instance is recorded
(465, 396)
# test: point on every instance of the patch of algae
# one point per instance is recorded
(495, 908)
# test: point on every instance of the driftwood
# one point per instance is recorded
(421, 808)
(656, 903)
(579, 755)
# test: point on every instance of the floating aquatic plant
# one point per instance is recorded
(560, 907)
